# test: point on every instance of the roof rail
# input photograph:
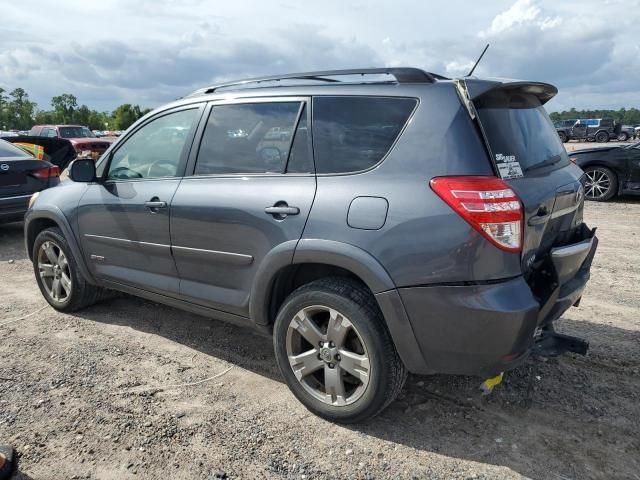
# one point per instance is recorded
(401, 75)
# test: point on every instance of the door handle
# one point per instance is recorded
(280, 210)
(154, 204)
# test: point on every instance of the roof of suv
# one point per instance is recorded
(401, 75)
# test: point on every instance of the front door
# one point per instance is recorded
(252, 187)
(124, 218)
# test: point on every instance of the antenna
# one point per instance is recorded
(478, 61)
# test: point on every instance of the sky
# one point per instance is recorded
(149, 52)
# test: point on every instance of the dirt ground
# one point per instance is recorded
(132, 389)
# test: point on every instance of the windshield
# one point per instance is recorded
(75, 132)
(9, 150)
(518, 128)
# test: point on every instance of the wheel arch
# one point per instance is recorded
(38, 220)
(308, 260)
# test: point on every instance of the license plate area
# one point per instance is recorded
(12, 179)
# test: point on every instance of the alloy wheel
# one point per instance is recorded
(328, 356)
(54, 271)
(598, 184)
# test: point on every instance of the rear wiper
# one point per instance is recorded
(551, 161)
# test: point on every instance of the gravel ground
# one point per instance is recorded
(132, 389)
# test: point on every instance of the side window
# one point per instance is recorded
(48, 132)
(300, 158)
(351, 134)
(247, 138)
(155, 150)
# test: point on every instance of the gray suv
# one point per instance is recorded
(373, 222)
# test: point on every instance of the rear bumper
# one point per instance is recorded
(13, 208)
(486, 329)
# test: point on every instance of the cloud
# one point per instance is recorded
(153, 51)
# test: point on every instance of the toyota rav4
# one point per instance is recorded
(399, 221)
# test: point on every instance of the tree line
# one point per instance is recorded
(624, 116)
(18, 112)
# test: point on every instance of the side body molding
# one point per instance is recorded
(54, 214)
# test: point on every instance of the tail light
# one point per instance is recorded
(47, 172)
(488, 205)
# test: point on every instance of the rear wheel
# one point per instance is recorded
(335, 351)
(602, 137)
(601, 184)
(58, 276)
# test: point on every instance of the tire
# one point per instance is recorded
(602, 137)
(601, 184)
(623, 137)
(563, 137)
(51, 254)
(360, 334)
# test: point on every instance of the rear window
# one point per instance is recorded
(519, 129)
(9, 150)
(351, 134)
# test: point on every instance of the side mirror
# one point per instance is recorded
(82, 170)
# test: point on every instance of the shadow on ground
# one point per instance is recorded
(582, 409)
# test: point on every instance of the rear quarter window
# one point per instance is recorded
(352, 134)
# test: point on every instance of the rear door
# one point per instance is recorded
(531, 159)
(252, 188)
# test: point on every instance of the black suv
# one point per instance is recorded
(373, 221)
(599, 129)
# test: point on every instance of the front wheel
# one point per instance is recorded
(601, 184)
(623, 137)
(335, 351)
(57, 273)
(563, 137)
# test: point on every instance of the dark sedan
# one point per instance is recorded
(21, 175)
(610, 171)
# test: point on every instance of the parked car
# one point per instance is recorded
(626, 132)
(21, 175)
(610, 171)
(82, 139)
(590, 129)
(394, 243)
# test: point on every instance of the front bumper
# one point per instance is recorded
(489, 328)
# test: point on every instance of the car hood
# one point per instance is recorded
(84, 141)
(592, 150)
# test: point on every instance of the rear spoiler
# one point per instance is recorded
(470, 89)
(58, 151)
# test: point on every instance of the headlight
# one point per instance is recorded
(33, 198)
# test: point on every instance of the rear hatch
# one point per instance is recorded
(528, 155)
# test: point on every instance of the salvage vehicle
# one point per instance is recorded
(609, 171)
(385, 236)
(21, 175)
(83, 140)
(600, 130)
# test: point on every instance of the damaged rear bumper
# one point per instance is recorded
(489, 328)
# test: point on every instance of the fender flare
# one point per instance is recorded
(54, 214)
(327, 252)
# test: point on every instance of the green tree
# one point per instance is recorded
(64, 106)
(20, 110)
(125, 115)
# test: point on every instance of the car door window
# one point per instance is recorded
(155, 150)
(49, 132)
(247, 138)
